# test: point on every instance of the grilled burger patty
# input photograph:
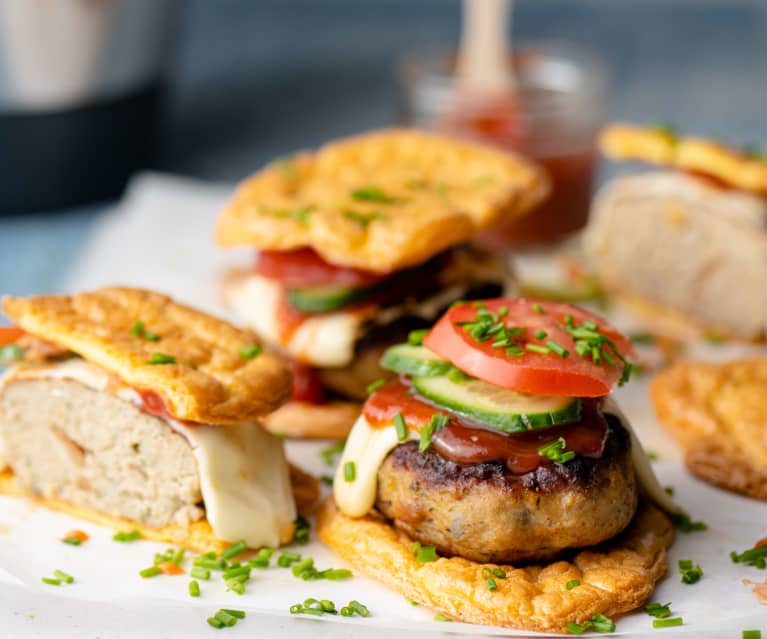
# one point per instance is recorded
(485, 513)
(91, 449)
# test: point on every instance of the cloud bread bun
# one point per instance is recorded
(616, 576)
(421, 193)
(717, 413)
(197, 536)
(210, 381)
(660, 146)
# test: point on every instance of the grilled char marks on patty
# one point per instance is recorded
(485, 513)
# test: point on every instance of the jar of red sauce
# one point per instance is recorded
(552, 116)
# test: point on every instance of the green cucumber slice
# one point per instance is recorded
(499, 408)
(323, 299)
(407, 359)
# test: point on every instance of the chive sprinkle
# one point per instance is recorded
(436, 424)
(350, 471)
(287, 558)
(237, 572)
(72, 541)
(415, 338)
(61, 575)
(199, 572)
(423, 554)
(262, 558)
(599, 623)
(213, 621)
(127, 536)
(573, 583)
(752, 634)
(327, 480)
(756, 557)
(194, 588)
(239, 614)
(372, 194)
(537, 348)
(400, 427)
(234, 550)
(691, 574)
(372, 388)
(685, 524)
(301, 534)
(440, 617)
(329, 454)
(251, 352)
(225, 618)
(50, 581)
(152, 571)
(658, 610)
(555, 451)
(537, 308)
(209, 563)
(667, 623)
(557, 348)
(363, 219)
(161, 358)
(540, 334)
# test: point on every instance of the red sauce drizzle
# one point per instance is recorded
(307, 386)
(466, 442)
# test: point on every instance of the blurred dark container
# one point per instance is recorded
(81, 83)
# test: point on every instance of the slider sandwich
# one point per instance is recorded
(358, 243)
(496, 481)
(686, 245)
(132, 411)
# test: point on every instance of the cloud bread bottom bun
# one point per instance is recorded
(593, 518)
(78, 447)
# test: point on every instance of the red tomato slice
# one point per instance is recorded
(296, 269)
(535, 373)
(10, 334)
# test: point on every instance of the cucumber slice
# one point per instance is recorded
(322, 299)
(502, 409)
(407, 359)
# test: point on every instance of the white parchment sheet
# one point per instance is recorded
(160, 238)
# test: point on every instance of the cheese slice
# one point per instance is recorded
(244, 476)
(367, 447)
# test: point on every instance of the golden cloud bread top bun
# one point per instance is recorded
(208, 379)
(381, 201)
(660, 146)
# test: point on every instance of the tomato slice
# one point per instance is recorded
(530, 372)
(304, 268)
(10, 334)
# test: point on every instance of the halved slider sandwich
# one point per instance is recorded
(496, 481)
(133, 411)
(359, 243)
(684, 245)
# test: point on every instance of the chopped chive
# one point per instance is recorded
(152, 571)
(436, 424)
(536, 348)
(50, 581)
(72, 541)
(161, 358)
(684, 523)
(251, 352)
(262, 558)
(540, 334)
(225, 618)
(554, 347)
(125, 537)
(346, 612)
(303, 566)
(555, 451)
(691, 574)
(658, 610)
(423, 554)
(400, 427)
(287, 558)
(372, 194)
(60, 574)
(372, 388)
(234, 550)
(296, 609)
(360, 609)
(415, 338)
(573, 583)
(212, 621)
(756, 556)
(537, 308)
(456, 375)
(210, 564)
(236, 572)
(491, 585)
(669, 490)
(194, 588)
(667, 623)
(236, 586)
(752, 634)
(329, 454)
(503, 311)
(350, 471)
(652, 456)
(239, 614)
(199, 573)
(336, 574)
(515, 351)
(363, 219)
(440, 617)
(327, 480)
(301, 534)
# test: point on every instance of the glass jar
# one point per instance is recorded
(552, 117)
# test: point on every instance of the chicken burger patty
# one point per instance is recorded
(485, 513)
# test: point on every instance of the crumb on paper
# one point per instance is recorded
(759, 590)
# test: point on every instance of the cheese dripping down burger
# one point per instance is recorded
(359, 243)
(498, 443)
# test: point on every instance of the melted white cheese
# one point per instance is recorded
(367, 447)
(244, 478)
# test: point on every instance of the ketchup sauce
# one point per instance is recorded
(466, 442)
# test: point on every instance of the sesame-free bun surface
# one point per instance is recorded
(210, 381)
(616, 577)
(718, 415)
(438, 192)
(657, 145)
